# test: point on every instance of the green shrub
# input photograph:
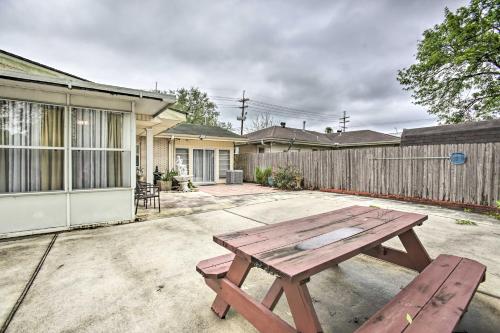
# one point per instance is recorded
(287, 178)
(465, 222)
(262, 175)
(258, 175)
(266, 173)
(169, 175)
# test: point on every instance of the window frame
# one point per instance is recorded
(125, 144)
(64, 109)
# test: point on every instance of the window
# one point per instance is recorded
(183, 153)
(31, 147)
(224, 162)
(100, 153)
(137, 155)
(262, 150)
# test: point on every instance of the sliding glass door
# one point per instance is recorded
(203, 166)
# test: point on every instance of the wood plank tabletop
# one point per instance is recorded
(302, 247)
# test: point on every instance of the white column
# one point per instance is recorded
(171, 153)
(149, 155)
(133, 171)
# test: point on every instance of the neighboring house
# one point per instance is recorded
(469, 132)
(281, 138)
(67, 147)
(207, 151)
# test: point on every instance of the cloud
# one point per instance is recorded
(319, 56)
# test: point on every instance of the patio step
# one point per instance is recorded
(216, 267)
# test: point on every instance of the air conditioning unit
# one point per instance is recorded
(234, 177)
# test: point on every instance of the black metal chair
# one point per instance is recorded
(145, 192)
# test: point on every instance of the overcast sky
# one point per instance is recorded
(319, 56)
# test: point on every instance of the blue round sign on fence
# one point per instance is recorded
(458, 158)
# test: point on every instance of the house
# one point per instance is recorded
(468, 132)
(281, 138)
(68, 147)
(207, 151)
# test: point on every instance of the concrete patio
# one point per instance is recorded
(141, 277)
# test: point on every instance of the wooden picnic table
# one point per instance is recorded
(295, 250)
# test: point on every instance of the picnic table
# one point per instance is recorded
(296, 250)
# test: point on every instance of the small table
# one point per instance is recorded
(295, 250)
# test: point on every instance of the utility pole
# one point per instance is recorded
(243, 116)
(343, 121)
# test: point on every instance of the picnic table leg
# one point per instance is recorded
(416, 251)
(237, 273)
(300, 302)
(273, 295)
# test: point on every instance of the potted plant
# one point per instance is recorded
(192, 187)
(139, 173)
(166, 180)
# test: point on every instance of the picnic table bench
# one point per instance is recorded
(295, 250)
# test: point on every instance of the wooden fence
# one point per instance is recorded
(367, 170)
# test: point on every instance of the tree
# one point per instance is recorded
(263, 120)
(457, 74)
(200, 109)
(328, 130)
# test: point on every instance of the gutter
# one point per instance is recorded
(197, 137)
(361, 144)
(333, 145)
(285, 141)
(86, 85)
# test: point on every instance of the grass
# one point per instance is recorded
(465, 222)
(494, 215)
(373, 206)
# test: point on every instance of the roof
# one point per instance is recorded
(468, 132)
(289, 133)
(361, 137)
(38, 76)
(197, 130)
(16, 67)
(278, 133)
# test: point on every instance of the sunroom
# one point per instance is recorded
(67, 150)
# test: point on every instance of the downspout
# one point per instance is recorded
(291, 144)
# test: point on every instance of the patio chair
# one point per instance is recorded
(145, 192)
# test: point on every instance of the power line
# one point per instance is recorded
(269, 105)
(295, 110)
(291, 115)
(396, 122)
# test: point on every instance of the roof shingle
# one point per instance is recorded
(469, 132)
(195, 129)
(317, 138)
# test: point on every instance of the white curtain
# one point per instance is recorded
(224, 162)
(203, 166)
(24, 128)
(98, 168)
(198, 165)
(208, 172)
